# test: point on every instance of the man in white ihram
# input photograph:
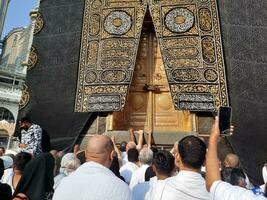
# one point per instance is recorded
(93, 180)
(145, 158)
(188, 184)
(220, 190)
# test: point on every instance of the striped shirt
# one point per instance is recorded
(33, 139)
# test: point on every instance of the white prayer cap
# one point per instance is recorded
(8, 161)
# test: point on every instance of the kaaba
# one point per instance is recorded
(108, 65)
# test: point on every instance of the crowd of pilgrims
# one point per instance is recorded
(131, 171)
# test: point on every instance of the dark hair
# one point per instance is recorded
(192, 151)
(149, 173)
(81, 157)
(236, 175)
(115, 167)
(154, 150)
(133, 155)
(21, 159)
(3, 148)
(123, 145)
(164, 162)
(26, 119)
(226, 174)
(2, 168)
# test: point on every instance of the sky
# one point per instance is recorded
(18, 14)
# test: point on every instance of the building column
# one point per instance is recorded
(3, 11)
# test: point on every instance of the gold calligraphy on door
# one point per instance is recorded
(149, 103)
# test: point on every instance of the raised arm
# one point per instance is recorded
(140, 139)
(116, 149)
(212, 164)
(132, 136)
(149, 138)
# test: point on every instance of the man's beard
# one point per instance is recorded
(24, 128)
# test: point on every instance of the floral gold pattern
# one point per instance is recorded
(39, 23)
(25, 97)
(33, 58)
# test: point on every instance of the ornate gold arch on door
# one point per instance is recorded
(190, 41)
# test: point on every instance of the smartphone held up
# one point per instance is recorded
(225, 120)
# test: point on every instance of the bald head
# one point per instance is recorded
(100, 149)
(231, 160)
(130, 145)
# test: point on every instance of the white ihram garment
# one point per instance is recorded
(127, 170)
(224, 191)
(186, 185)
(138, 176)
(92, 181)
(155, 189)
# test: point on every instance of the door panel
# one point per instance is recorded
(150, 108)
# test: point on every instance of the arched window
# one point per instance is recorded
(6, 115)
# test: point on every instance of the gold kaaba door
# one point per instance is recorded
(149, 103)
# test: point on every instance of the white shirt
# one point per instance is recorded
(8, 178)
(140, 190)
(92, 181)
(124, 157)
(155, 189)
(224, 191)
(127, 170)
(138, 176)
(186, 185)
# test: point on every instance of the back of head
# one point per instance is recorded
(130, 145)
(192, 151)
(123, 145)
(133, 155)
(164, 163)
(72, 165)
(2, 151)
(226, 174)
(238, 177)
(99, 149)
(26, 119)
(146, 156)
(66, 158)
(20, 161)
(231, 160)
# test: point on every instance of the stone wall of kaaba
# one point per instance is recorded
(244, 28)
(52, 81)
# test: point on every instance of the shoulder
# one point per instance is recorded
(221, 191)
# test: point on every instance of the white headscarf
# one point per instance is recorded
(69, 164)
(8, 161)
(264, 173)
